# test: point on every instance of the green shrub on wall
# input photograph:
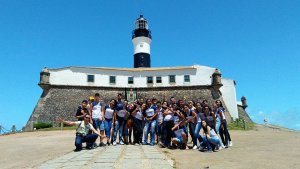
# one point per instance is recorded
(41, 125)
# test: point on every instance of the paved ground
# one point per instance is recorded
(117, 157)
(262, 147)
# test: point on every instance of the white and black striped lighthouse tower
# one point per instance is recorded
(141, 39)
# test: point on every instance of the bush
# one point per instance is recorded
(42, 125)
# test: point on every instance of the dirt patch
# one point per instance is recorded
(25, 150)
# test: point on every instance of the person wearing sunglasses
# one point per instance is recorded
(82, 132)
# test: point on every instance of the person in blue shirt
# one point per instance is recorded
(223, 130)
(120, 114)
(180, 137)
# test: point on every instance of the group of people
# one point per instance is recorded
(169, 123)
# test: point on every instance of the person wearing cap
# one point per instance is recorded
(91, 99)
(82, 132)
(82, 110)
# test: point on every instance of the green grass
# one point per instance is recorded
(41, 125)
(239, 124)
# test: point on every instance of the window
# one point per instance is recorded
(90, 78)
(130, 80)
(187, 78)
(149, 79)
(172, 79)
(112, 79)
(158, 79)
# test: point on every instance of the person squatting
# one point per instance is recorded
(149, 121)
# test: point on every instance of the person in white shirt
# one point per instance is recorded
(109, 113)
(97, 110)
(138, 123)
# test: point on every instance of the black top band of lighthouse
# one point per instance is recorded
(141, 39)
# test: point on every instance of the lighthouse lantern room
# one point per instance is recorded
(141, 39)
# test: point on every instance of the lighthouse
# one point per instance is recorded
(141, 39)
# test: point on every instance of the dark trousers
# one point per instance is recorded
(224, 132)
(167, 132)
(192, 127)
(137, 130)
(159, 130)
(89, 139)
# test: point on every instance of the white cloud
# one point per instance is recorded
(261, 113)
(289, 118)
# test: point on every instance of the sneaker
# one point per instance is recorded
(77, 150)
(108, 144)
(114, 143)
(90, 148)
(145, 143)
(208, 151)
(195, 147)
(183, 147)
(121, 142)
(201, 149)
(216, 149)
(151, 144)
(172, 147)
(162, 145)
(230, 144)
(101, 145)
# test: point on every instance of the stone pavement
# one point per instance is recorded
(117, 157)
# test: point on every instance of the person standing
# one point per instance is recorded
(159, 125)
(150, 124)
(200, 117)
(168, 124)
(121, 112)
(97, 110)
(223, 127)
(129, 122)
(191, 115)
(138, 123)
(82, 110)
(109, 113)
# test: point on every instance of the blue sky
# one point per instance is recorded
(256, 43)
